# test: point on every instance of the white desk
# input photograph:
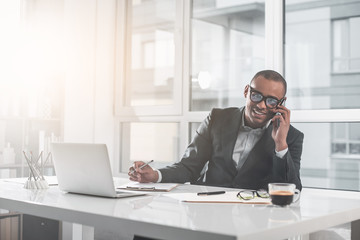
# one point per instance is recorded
(162, 217)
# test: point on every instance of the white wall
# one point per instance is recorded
(90, 51)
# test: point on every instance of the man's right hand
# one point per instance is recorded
(144, 175)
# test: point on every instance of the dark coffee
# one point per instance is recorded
(281, 198)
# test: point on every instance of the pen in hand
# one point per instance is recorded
(210, 193)
(142, 166)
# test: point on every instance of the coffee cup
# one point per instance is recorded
(282, 194)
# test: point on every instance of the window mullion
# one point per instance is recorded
(274, 35)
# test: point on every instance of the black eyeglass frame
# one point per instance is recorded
(253, 194)
(263, 98)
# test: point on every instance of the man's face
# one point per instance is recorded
(257, 114)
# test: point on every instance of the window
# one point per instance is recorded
(346, 140)
(322, 73)
(150, 140)
(152, 62)
(313, 33)
(151, 74)
(346, 50)
(223, 44)
(149, 80)
(227, 48)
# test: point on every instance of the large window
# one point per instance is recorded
(149, 80)
(322, 54)
(323, 72)
(223, 44)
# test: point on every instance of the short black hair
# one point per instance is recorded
(271, 75)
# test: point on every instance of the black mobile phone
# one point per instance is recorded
(282, 101)
(280, 104)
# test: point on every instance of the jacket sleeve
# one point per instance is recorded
(287, 169)
(197, 154)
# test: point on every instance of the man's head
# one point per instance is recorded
(265, 92)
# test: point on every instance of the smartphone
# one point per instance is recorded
(278, 120)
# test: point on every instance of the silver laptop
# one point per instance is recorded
(85, 169)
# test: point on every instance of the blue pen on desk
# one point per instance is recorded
(142, 166)
(210, 193)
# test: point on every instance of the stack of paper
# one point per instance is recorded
(157, 187)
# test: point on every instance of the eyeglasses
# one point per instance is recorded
(251, 194)
(270, 102)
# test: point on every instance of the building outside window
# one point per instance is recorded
(322, 70)
(151, 53)
(227, 47)
(345, 47)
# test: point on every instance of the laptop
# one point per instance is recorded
(85, 169)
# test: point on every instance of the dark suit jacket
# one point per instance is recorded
(214, 143)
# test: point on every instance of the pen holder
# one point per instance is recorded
(36, 184)
(36, 178)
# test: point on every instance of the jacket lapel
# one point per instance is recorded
(230, 130)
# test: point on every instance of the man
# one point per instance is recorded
(240, 148)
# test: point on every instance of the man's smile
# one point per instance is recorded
(259, 112)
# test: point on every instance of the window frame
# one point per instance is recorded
(123, 63)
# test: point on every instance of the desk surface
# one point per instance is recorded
(160, 216)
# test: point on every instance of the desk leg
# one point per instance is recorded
(88, 233)
(75, 231)
(300, 237)
(66, 230)
(355, 230)
(305, 237)
(82, 232)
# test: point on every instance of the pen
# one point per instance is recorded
(142, 166)
(210, 193)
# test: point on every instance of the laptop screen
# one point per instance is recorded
(83, 168)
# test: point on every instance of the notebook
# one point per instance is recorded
(85, 169)
(155, 187)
